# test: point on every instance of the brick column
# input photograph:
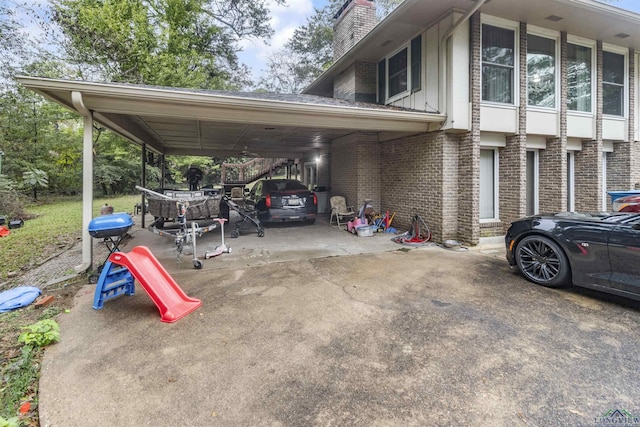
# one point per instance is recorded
(513, 158)
(588, 175)
(355, 168)
(553, 160)
(469, 149)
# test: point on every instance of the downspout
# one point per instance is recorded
(443, 51)
(87, 181)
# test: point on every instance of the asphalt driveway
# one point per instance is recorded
(387, 338)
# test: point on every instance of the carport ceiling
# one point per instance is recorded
(213, 123)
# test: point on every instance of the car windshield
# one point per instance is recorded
(277, 185)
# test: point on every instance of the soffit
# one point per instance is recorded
(185, 122)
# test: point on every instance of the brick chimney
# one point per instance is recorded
(352, 22)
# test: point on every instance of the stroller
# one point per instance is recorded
(248, 216)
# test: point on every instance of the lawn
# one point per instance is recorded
(57, 226)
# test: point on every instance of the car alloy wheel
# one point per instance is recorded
(542, 261)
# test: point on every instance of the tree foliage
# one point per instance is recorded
(309, 51)
(180, 43)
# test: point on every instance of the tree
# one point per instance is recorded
(309, 52)
(34, 179)
(180, 43)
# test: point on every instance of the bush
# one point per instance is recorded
(11, 206)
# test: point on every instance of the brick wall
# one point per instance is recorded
(355, 169)
(552, 190)
(513, 177)
(420, 175)
(469, 148)
(357, 83)
(344, 171)
(619, 177)
(588, 176)
(355, 21)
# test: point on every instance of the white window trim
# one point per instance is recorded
(509, 25)
(555, 36)
(496, 189)
(625, 91)
(409, 91)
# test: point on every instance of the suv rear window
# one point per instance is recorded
(277, 185)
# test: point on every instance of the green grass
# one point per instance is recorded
(57, 226)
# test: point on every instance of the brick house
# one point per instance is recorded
(471, 113)
(541, 112)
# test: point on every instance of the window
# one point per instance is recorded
(404, 71)
(416, 63)
(571, 186)
(613, 83)
(498, 54)
(398, 73)
(541, 71)
(382, 81)
(532, 182)
(604, 180)
(488, 185)
(579, 78)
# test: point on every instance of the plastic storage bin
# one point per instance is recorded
(364, 231)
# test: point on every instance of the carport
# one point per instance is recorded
(175, 121)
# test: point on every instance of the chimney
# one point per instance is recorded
(352, 22)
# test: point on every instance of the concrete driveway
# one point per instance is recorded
(378, 337)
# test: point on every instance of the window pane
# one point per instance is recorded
(497, 64)
(416, 62)
(613, 99)
(497, 45)
(398, 73)
(579, 78)
(382, 80)
(541, 71)
(487, 184)
(497, 83)
(613, 67)
(531, 182)
(613, 83)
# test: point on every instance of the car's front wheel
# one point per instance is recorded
(542, 261)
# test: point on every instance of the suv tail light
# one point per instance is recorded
(315, 199)
(267, 201)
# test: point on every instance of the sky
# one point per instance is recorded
(284, 20)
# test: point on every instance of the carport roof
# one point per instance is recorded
(176, 121)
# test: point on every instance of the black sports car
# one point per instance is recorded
(599, 251)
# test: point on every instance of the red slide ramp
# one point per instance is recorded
(171, 300)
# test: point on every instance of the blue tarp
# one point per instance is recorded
(18, 297)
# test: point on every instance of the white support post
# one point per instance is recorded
(87, 182)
